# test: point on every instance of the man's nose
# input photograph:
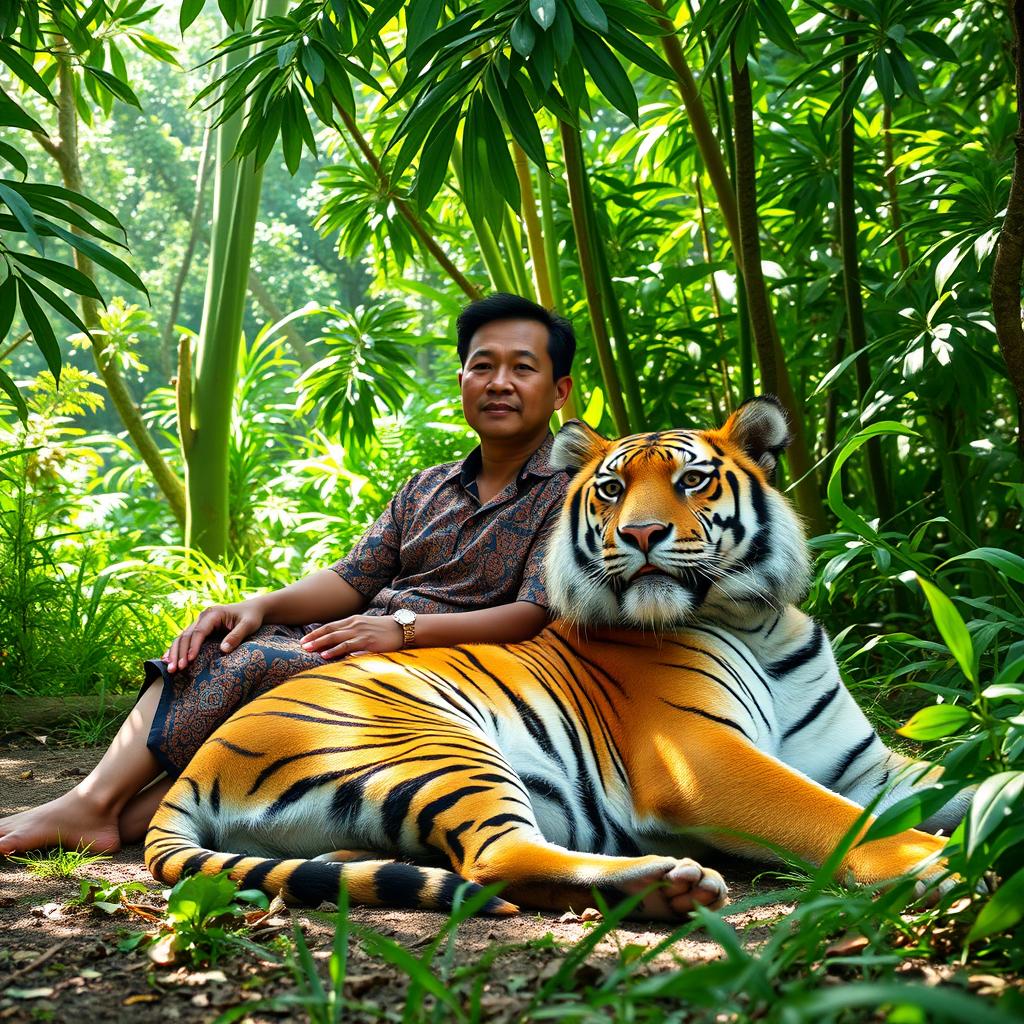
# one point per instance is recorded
(501, 380)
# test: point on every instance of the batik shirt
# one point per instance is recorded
(436, 548)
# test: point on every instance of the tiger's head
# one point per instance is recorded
(658, 526)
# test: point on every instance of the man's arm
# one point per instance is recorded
(321, 595)
(507, 623)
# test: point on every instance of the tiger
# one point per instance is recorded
(677, 689)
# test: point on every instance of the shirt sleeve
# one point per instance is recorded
(376, 558)
(532, 588)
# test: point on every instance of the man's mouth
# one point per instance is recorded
(499, 407)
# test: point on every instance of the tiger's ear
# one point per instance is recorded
(760, 428)
(576, 445)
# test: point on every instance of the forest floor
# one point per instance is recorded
(62, 963)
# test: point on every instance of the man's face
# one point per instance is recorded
(507, 382)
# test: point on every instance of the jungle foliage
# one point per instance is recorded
(726, 198)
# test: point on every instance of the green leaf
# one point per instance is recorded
(23, 214)
(515, 109)
(11, 390)
(114, 85)
(994, 805)
(67, 277)
(8, 304)
(190, 10)
(42, 331)
(638, 52)
(543, 12)
(24, 70)
(11, 114)
(853, 521)
(421, 20)
(1006, 562)
(105, 259)
(14, 158)
(522, 36)
(436, 156)
(592, 15)
(910, 811)
(607, 73)
(951, 627)
(936, 721)
(1002, 911)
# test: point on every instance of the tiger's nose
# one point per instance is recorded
(644, 536)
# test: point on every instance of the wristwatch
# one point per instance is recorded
(407, 620)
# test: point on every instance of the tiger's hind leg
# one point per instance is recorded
(490, 834)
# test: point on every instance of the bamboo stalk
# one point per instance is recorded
(891, 184)
(620, 336)
(514, 256)
(534, 231)
(578, 207)
(856, 328)
(716, 302)
(547, 219)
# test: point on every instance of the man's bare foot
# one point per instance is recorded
(72, 821)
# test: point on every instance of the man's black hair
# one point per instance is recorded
(502, 306)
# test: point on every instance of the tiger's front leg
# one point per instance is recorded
(490, 834)
(714, 780)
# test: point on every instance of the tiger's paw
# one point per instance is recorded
(682, 885)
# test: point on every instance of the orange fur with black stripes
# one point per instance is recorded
(680, 688)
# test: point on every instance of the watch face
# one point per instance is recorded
(404, 617)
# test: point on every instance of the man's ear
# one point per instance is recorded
(760, 428)
(562, 388)
(576, 445)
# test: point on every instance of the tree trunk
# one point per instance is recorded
(1006, 269)
(891, 187)
(775, 377)
(66, 155)
(703, 134)
(195, 231)
(589, 273)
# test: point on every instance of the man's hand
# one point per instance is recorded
(242, 619)
(378, 633)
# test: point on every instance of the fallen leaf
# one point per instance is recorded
(569, 917)
(591, 914)
(28, 993)
(144, 997)
(51, 911)
(26, 775)
(203, 977)
(848, 945)
(88, 972)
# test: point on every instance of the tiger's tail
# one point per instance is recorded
(172, 853)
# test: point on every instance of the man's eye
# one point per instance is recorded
(692, 478)
(610, 490)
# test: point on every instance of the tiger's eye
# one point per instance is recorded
(693, 478)
(610, 489)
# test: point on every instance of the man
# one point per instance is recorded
(455, 558)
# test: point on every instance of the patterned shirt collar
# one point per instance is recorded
(537, 465)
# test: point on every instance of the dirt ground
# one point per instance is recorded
(59, 963)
